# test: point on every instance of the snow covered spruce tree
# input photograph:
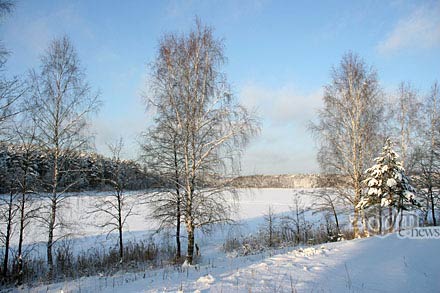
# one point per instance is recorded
(388, 186)
(61, 104)
(190, 92)
(347, 127)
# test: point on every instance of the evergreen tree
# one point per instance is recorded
(388, 186)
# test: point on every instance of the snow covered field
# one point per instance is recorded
(385, 264)
(252, 205)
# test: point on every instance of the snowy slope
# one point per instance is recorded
(374, 264)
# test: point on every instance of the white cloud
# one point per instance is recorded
(108, 130)
(421, 29)
(285, 144)
(286, 104)
(286, 154)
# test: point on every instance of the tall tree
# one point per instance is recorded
(348, 126)
(427, 165)
(189, 89)
(405, 112)
(62, 102)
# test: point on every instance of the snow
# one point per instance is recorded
(391, 182)
(385, 202)
(408, 194)
(186, 264)
(208, 279)
(252, 204)
(383, 264)
(372, 191)
(373, 182)
(379, 264)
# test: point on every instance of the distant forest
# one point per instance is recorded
(92, 171)
(88, 171)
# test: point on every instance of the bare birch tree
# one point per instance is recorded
(188, 87)
(161, 152)
(269, 226)
(62, 102)
(327, 202)
(348, 126)
(427, 167)
(405, 112)
(114, 210)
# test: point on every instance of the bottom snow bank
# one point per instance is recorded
(388, 264)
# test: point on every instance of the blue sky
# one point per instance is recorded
(279, 57)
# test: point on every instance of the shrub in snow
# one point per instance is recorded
(387, 185)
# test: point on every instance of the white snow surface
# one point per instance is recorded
(387, 264)
(374, 264)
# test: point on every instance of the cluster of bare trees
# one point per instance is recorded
(426, 155)
(11, 90)
(19, 208)
(291, 228)
(43, 116)
(357, 118)
(198, 133)
(44, 152)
